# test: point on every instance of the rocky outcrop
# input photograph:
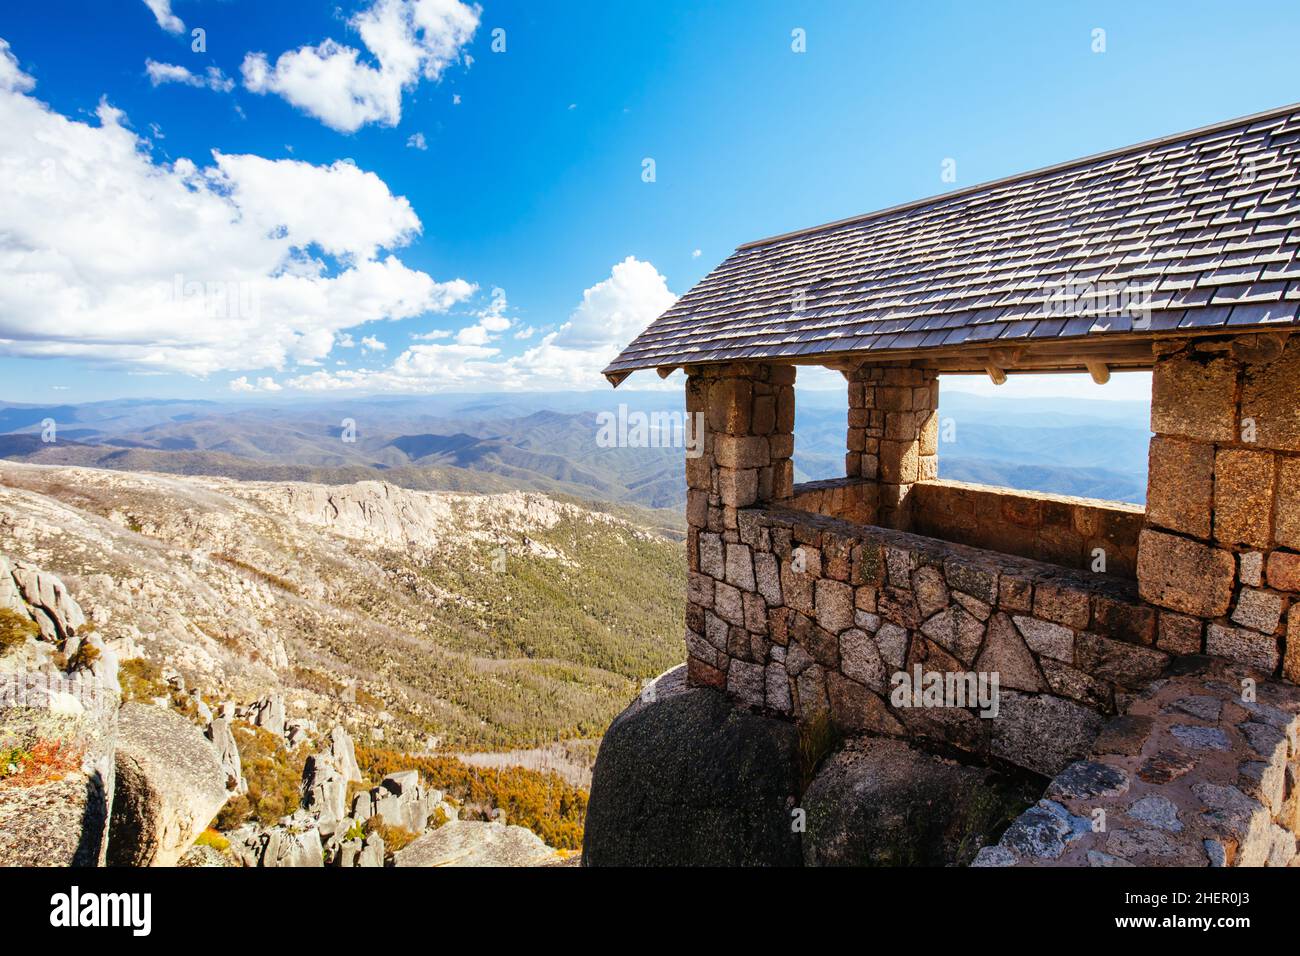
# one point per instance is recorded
(400, 800)
(268, 713)
(324, 789)
(170, 784)
(344, 754)
(58, 724)
(685, 778)
(223, 739)
(293, 847)
(58, 636)
(477, 843)
(882, 802)
(361, 852)
(294, 842)
(48, 600)
(325, 779)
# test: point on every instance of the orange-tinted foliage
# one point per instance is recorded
(48, 761)
(543, 802)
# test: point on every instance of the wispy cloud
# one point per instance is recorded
(162, 12)
(212, 79)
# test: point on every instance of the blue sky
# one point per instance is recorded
(530, 179)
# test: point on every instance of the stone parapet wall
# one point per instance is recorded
(1057, 529)
(852, 499)
(810, 616)
(1221, 546)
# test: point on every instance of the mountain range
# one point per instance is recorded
(502, 442)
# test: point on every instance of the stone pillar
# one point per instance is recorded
(893, 435)
(747, 414)
(1220, 549)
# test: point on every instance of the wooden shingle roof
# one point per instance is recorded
(1195, 232)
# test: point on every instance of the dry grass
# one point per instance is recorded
(275, 580)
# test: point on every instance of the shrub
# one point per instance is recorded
(15, 629)
(395, 838)
(84, 658)
(141, 680)
(356, 832)
(274, 776)
(46, 761)
(212, 838)
(541, 801)
(275, 580)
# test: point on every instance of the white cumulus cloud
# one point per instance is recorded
(410, 40)
(242, 263)
(572, 356)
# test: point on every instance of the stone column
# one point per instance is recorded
(1220, 549)
(747, 412)
(893, 435)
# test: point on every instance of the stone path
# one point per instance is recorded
(1197, 772)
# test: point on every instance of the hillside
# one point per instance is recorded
(480, 621)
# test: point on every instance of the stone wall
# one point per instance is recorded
(747, 416)
(805, 615)
(1058, 529)
(1221, 548)
(893, 436)
(852, 499)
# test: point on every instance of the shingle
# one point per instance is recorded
(1014, 259)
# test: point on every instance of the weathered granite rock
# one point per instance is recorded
(223, 739)
(683, 777)
(47, 593)
(1043, 734)
(324, 789)
(881, 802)
(372, 851)
(476, 843)
(345, 755)
(170, 784)
(292, 846)
(268, 713)
(204, 857)
(72, 722)
(400, 800)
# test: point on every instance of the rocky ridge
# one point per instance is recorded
(381, 608)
